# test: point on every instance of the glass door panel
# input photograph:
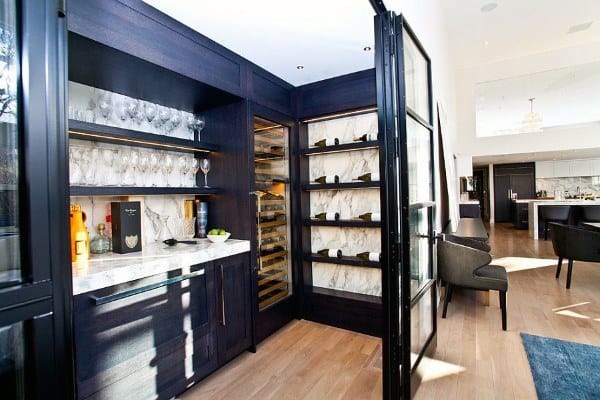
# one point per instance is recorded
(420, 189)
(10, 257)
(416, 78)
(12, 360)
(271, 174)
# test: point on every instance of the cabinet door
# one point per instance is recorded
(233, 306)
(595, 167)
(544, 169)
(523, 186)
(581, 168)
(146, 338)
(562, 169)
(501, 198)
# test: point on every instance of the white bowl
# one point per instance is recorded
(218, 238)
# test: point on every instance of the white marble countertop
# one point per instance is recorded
(551, 201)
(112, 269)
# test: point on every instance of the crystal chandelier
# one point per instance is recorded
(532, 122)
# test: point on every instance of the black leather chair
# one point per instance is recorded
(550, 214)
(589, 214)
(574, 244)
(469, 267)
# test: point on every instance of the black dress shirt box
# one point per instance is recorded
(126, 226)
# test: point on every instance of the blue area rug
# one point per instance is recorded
(563, 370)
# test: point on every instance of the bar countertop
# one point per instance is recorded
(110, 269)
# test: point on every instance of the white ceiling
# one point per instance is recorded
(563, 97)
(516, 27)
(539, 156)
(327, 37)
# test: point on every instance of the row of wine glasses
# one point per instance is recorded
(113, 109)
(94, 166)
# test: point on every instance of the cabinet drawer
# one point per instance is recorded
(143, 331)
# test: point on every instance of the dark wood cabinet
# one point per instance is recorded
(233, 306)
(520, 215)
(509, 180)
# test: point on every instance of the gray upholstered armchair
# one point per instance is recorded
(469, 267)
(574, 244)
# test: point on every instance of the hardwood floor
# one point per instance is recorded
(475, 359)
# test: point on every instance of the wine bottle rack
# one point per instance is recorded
(340, 186)
(140, 191)
(340, 148)
(348, 223)
(344, 260)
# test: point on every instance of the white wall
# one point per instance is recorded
(550, 140)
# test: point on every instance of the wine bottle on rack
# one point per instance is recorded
(367, 137)
(332, 253)
(329, 216)
(369, 177)
(328, 179)
(371, 217)
(327, 142)
(369, 256)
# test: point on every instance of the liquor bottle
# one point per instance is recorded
(80, 237)
(100, 243)
(375, 217)
(332, 253)
(328, 179)
(369, 256)
(327, 142)
(369, 177)
(367, 137)
(329, 216)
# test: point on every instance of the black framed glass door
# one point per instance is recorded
(403, 75)
(35, 292)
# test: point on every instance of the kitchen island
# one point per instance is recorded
(534, 210)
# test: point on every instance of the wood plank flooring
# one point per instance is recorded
(475, 359)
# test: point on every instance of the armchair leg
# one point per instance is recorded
(546, 230)
(569, 271)
(449, 289)
(503, 309)
(558, 266)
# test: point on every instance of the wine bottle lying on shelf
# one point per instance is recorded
(367, 137)
(369, 256)
(328, 216)
(374, 217)
(328, 179)
(369, 177)
(327, 142)
(332, 253)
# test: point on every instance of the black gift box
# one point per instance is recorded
(126, 226)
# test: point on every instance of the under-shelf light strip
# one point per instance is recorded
(338, 115)
(170, 146)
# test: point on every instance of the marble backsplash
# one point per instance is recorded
(349, 203)
(96, 209)
(586, 184)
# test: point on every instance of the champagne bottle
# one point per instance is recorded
(329, 216)
(327, 142)
(369, 256)
(367, 137)
(328, 179)
(333, 253)
(375, 217)
(369, 177)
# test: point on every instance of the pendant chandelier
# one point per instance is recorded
(532, 122)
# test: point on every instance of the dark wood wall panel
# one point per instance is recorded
(342, 93)
(270, 93)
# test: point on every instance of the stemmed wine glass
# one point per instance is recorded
(134, 161)
(108, 158)
(105, 104)
(168, 165)
(184, 167)
(74, 168)
(143, 167)
(154, 166)
(149, 111)
(164, 115)
(123, 164)
(205, 167)
(194, 167)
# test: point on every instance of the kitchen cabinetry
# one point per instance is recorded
(155, 336)
(567, 168)
(512, 180)
(544, 169)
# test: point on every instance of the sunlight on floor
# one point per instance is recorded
(430, 369)
(513, 264)
(564, 311)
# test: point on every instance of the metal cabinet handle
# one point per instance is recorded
(128, 293)
(223, 322)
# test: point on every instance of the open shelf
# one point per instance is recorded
(140, 191)
(340, 148)
(340, 186)
(345, 260)
(110, 134)
(349, 223)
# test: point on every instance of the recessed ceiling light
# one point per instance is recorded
(488, 7)
(486, 43)
(580, 27)
(300, 67)
(367, 48)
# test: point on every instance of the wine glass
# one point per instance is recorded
(132, 106)
(200, 123)
(164, 115)
(184, 167)
(121, 109)
(205, 167)
(168, 165)
(149, 111)
(175, 120)
(105, 104)
(123, 164)
(74, 168)
(154, 166)
(194, 167)
(134, 161)
(143, 167)
(108, 158)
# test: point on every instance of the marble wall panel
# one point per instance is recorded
(586, 184)
(350, 279)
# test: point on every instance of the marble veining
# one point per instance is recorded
(350, 279)
(350, 240)
(349, 203)
(586, 184)
(112, 269)
(348, 166)
(345, 129)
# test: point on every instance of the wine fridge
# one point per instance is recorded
(271, 174)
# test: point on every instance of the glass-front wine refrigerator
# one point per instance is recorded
(271, 174)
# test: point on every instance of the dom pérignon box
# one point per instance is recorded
(126, 226)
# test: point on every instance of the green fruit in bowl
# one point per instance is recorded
(213, 232)
(222, 233)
